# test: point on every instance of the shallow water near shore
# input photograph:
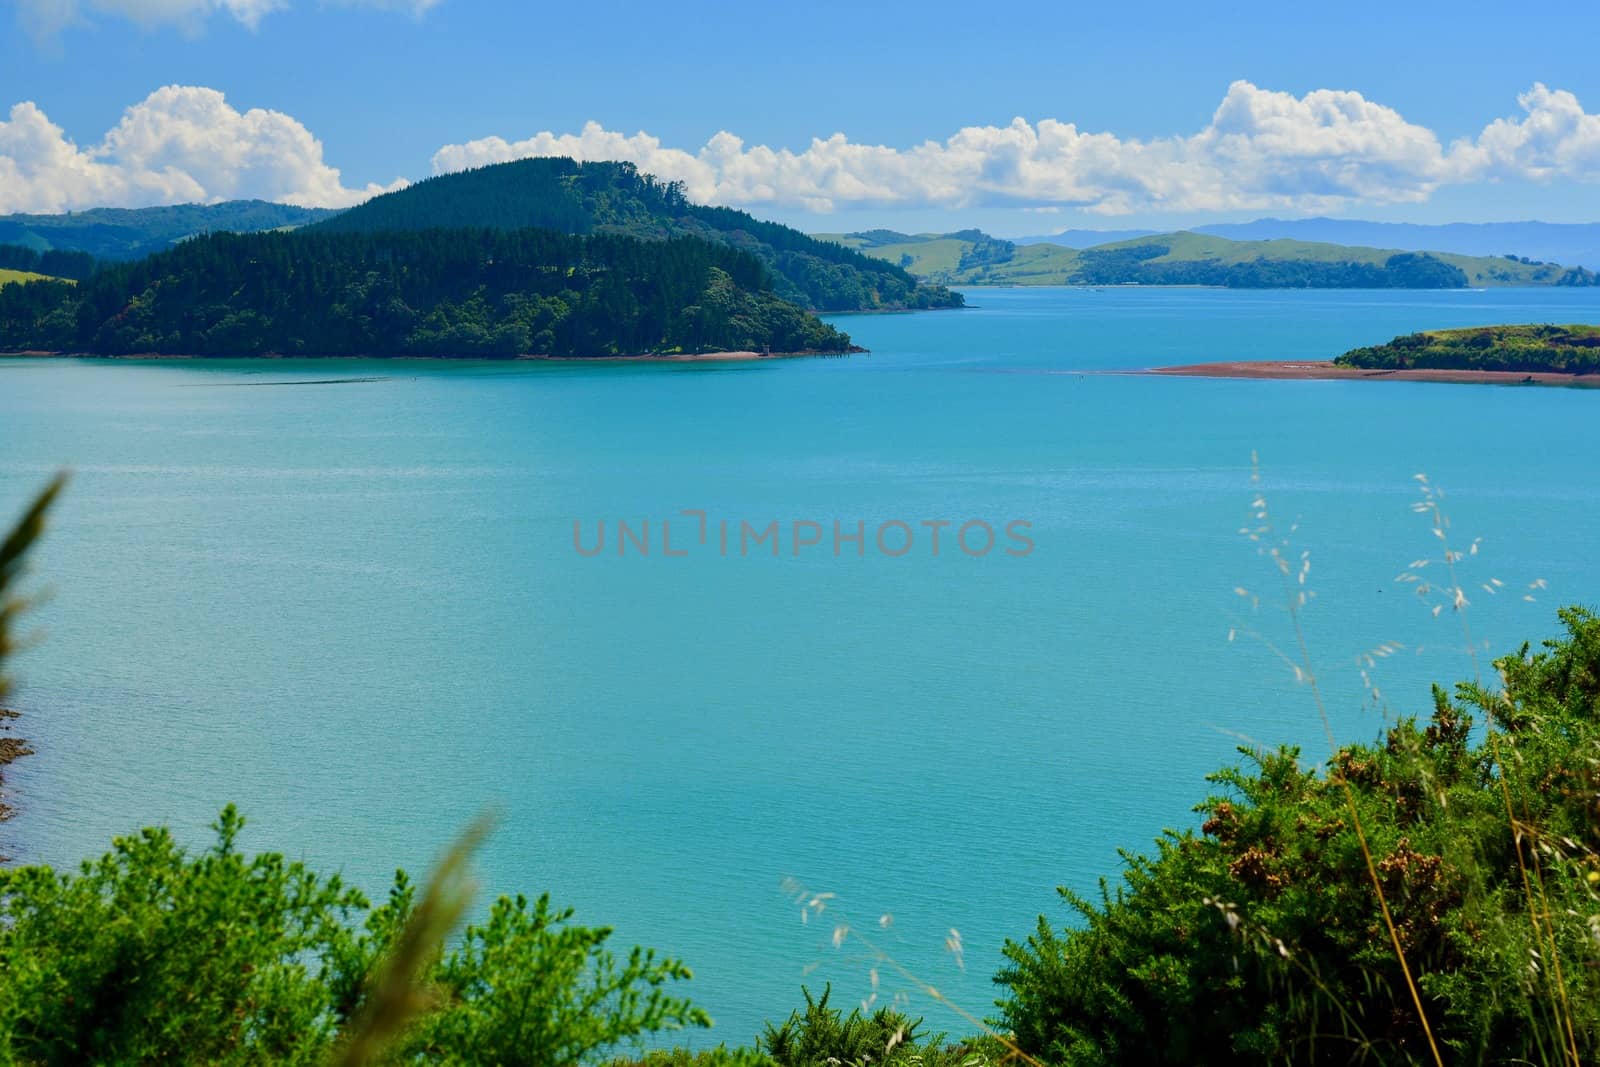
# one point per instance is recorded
(355, 607)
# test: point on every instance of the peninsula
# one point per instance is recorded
(1505, 355)
(541, 257)
(972, 257)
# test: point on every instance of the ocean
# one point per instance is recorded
(362, 601)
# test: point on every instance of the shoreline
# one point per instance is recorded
(1326, 370)
(641, 357)
(11, 749)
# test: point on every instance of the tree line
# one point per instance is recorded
(54, 263)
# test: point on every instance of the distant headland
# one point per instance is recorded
(972, 257)
(1501, 355)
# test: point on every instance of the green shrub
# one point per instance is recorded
(150, 955)
(823, 1036)
(1261, 939)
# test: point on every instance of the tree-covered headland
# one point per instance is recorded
(538, 257)
(1523, 349)
(426, 293)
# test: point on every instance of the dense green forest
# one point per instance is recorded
(73, 265)
(596, 198)
(1525, 349)
(1429, 898)
(455, 292)
(971, 257)
(128, 233)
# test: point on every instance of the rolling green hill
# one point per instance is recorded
(615, 198)
(128, 233)
(970, 257)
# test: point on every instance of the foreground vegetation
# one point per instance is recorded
(971, 257)
(1431, 897)
(1524, 349)
(426, 293)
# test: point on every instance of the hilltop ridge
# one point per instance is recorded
(970, 257)
(562, 194)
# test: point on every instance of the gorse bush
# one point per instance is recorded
(151, 955)
(1261, 939)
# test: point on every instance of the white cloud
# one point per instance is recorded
(1262, 150)
(181, 144)
(46, 18)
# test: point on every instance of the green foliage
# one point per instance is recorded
(1523, 349)
(528, 987)
(823, 1036)
(582, 198)
(148, 956)
(1260, 939)
(52, 264)
(151, 955)
(129, 233)
(474, 293)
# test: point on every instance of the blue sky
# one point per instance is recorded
(1120, 104)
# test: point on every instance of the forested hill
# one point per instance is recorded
(970, 257)
(128, 233)
(583, 198)
(1573, 349)
(475, 293)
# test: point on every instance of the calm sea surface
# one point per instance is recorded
(354, 607)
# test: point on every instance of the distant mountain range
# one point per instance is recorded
(1576, 244)
(971, 257)
(129, 233)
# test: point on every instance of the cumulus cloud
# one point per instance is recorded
(1262, 150)
(181, 144)
(46, 18)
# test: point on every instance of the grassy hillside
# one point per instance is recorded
(9, 276)
(128, 233)
(595, 198)
(1571, 349)
(973, 258)
(1574, 243)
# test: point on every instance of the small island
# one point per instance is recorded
(1505, 355)
(1573, 350)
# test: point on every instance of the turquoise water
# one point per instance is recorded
(354, 607)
